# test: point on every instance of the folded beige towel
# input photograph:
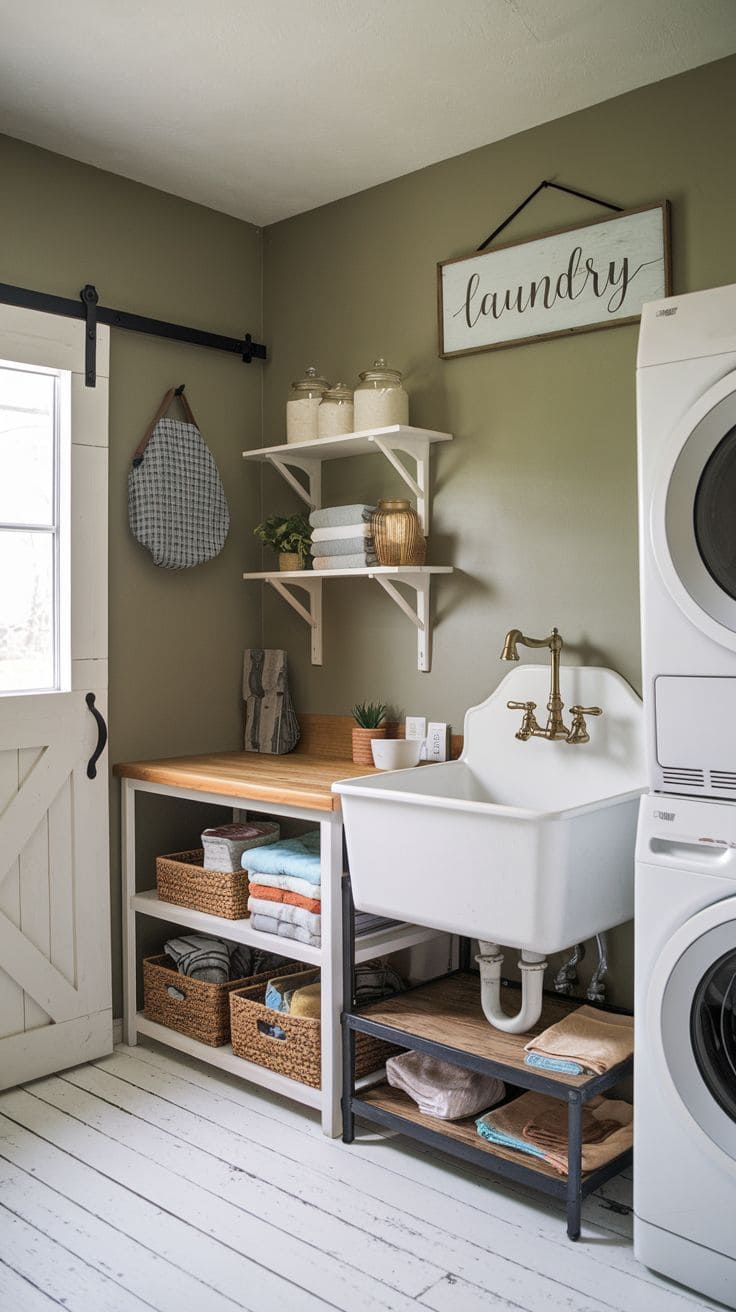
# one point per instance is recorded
(442, 1089)
(307, 1001)
(596, 1039)
(511, 1121)
(550, 1130)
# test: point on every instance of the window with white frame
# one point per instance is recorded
(34, 528)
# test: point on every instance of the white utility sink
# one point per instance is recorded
(528, 844)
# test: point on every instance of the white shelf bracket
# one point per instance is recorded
(311, 495)
(418, 450)
(418, 617)
(313, 616)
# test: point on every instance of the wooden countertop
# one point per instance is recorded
(297, 779)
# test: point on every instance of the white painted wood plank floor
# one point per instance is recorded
(148, 1181)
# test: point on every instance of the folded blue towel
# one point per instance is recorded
(493, 1135)
(336, 516)
(298, 857)
(560, 1064)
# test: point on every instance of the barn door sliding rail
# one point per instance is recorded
(89, 309)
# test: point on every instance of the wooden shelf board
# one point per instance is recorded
(448, 1011)
(349, 444)
(225, 1059)
(400, 1104)
(370, 571)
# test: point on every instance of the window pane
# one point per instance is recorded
(26, 447)
(26, 611)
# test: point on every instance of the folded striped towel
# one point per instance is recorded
(338, 516)
(359, 530)
(269, 925)
(361, 560)
(345, 547)
(289, 915)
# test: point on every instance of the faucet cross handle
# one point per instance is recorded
(579, 729)
(529, 724)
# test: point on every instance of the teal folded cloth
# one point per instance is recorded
(492, 1135)
(336, 516)
(358, 560)
(559, 1064)
(344, 547)
(298, 857)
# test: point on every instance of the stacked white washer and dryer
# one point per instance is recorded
(685, 1082)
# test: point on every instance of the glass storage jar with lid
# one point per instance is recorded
(335, 414)
(380, 400)
(303, 404)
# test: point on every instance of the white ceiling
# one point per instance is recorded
(266, 110)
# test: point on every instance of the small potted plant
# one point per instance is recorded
(290, 536)
(369, 723)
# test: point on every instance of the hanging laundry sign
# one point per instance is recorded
(573, 280)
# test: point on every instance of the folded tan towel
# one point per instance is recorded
(508, 1125)
(550, 1131)
(307, 1001)
(596, 1039)
(442, 1089)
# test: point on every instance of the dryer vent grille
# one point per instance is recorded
(683, 778)
(723, 780)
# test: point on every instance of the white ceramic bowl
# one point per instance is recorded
(395, 753)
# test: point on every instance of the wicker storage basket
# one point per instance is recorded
(182, 878)
(194, 1006)
(291, 1045)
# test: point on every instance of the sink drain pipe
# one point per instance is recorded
(532, 966)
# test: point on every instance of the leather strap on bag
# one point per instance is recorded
(169, 398)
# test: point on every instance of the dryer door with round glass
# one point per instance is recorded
(698, 1020)
(700, 512)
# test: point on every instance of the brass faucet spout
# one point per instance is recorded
(555, 726)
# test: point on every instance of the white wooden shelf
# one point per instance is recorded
(373, 944)
(225, 1058)
(391, 442)
(416, 577)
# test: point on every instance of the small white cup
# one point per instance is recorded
(395, 753)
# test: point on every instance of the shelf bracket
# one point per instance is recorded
(313, 616)
(418, 450)
(311, 495)
(418, 617)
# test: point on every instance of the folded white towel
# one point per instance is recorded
(361, 560)
(335, 516)
(360, 530)
(291, 883)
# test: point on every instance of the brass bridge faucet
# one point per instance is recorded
(555, 726)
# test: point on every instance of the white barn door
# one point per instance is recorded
(55, 983)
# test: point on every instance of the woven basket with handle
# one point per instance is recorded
(194, 1006)
(181, 878)
(291, 1045)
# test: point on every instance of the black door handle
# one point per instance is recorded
(101, 737)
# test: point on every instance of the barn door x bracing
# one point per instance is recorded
(55, 987)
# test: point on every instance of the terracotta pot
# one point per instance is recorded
(290, 560)
(362, 754)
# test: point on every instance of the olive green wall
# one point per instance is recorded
(176, 637)
(535, 500)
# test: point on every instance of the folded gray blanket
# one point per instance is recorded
(441, 1089)
(344, 547)
(336, 516)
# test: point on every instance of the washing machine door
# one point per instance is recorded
(698, 1023)
(694, 513)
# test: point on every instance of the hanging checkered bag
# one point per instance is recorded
(176, 503)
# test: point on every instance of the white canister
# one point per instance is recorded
(335, 414)
(380, 400)
(303, 405)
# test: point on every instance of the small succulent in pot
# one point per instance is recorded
(369, 723)
(290, 536)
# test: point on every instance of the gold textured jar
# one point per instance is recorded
(397, 534)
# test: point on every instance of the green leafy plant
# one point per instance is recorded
(286, 533)
(368, 715)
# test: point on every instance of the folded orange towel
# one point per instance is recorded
(285, 895)
(596, 1039)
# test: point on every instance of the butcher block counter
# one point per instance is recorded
(297, 779)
